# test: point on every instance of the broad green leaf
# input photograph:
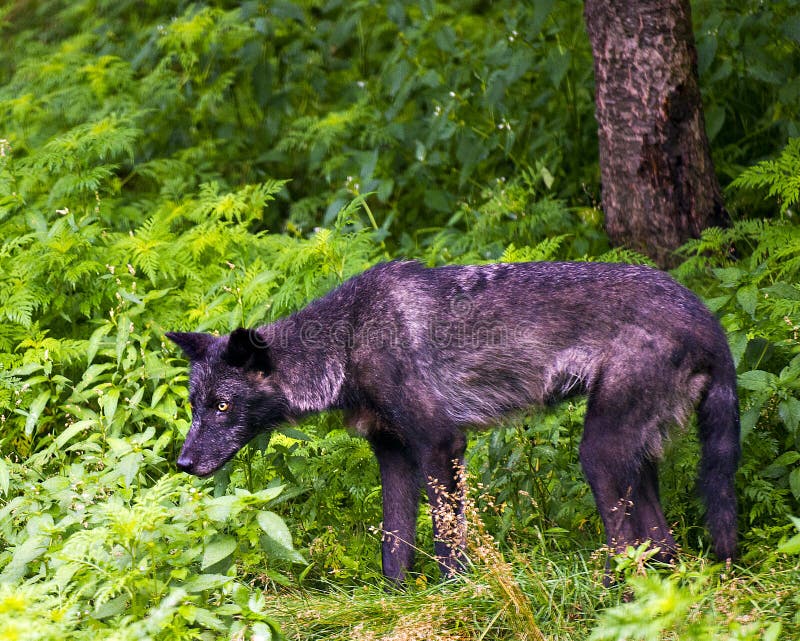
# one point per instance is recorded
(794, 482)
(110, 401)
(203, 582)
(76, 428)
(207, 619)
(787, 458)
(119, 446)
(792, 546)
(738, 343)
(95, 340)
(26, 370)
(293, 432)
(715, 118)
(93, 375)
(784, 290)
(747, 297)
(757, 380)
(789, 410)
(221, 508)
(111, 608)
(218, 548)
(222, 479)
(5, 477)
(269, 493)
(137, 397)
(749, 419)
(29, 550)
(56, 484)
(123, 333)
(278, 535)
(773, 631)
(35, 411)
(729, 275)
(158, 394)
(143, 437)
(261, 632)
(275, 527)
(128, 467)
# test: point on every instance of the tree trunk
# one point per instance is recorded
(658, 182)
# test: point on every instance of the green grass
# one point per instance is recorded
(539, 592)
(566, 597)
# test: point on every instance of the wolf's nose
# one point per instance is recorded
(184, 463)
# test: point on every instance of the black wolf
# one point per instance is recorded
(415, 356)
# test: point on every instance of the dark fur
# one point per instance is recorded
(415, 356)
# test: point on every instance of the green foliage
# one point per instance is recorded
(781, 176)
(96, 550)
(748, 63)
(681, 605)
(202, 166)
(532, 471)
(335, 480)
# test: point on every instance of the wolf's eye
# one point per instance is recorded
(223, 406)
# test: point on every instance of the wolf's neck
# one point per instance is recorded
(310, 351)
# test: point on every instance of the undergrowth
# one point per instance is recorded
(203, 166)
(535, 591)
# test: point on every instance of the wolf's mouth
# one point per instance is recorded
(185, 464)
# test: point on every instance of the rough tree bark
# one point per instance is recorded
(658, 183)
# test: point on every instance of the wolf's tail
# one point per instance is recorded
(718, 418)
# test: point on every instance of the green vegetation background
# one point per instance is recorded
(167, 165)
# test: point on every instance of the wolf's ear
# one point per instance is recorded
(246, 348)
(194, 344)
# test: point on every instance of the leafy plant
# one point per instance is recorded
(781, 176)
(679, 605)
(202, 166)
(122, 559)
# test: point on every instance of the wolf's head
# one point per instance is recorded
(232, 395)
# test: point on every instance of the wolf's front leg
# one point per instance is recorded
(401, 480)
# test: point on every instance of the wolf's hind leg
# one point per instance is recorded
(611, 468)
(648, 516)
(616, 455)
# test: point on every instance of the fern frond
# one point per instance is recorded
(781, 177)
(20, 299)
(323, 132)
(545, 250)
(81, 181)
(16, 244)
(106, 139)
(150, 249)
(624, 255)
(244, 205)
(107, 74)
